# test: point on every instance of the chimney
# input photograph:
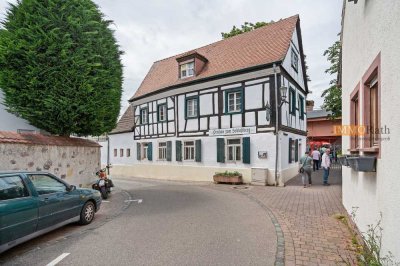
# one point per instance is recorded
(309, 105)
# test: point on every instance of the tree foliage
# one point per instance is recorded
(333, 95)
(60, 66)
(246, 27)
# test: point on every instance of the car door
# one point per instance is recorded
(56, 203)
(18, 209)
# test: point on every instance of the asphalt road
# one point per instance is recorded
(160, 223)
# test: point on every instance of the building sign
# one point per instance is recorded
(232, 131)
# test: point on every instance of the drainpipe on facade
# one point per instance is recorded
(276, 125)
(108, 155)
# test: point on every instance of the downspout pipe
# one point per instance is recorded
(277, 106)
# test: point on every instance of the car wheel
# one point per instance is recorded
(87, 213)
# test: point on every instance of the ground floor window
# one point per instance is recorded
(128, 152)
(234, 150)
(115, 152)
(162, 150)
(145, 147)
(121, 152)
(188, 150)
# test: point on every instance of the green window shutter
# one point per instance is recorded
(169, 151)
(296, 152)
(178, 145)
(150, 151)
(290, 150)
(246, 149)
(220, 150)
(198, 150)
(138, 148)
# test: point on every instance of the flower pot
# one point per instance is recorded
(366, 163)
(228, 179)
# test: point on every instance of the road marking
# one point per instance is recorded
(58, 259)
(105, 201)
(138, 200)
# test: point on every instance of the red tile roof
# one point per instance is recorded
(38, 139)
(125, 123)
(264, 45)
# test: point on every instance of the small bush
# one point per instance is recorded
(227, 173)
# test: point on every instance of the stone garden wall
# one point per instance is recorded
(75, 164)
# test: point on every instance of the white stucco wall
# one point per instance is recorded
(370, 28)
(10, 122)
(121, 141)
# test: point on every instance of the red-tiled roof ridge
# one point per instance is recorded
(39, 139)
(232, 38)
(262, 46)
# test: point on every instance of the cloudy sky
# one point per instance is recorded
(154, 29)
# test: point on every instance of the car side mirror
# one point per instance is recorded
(71, 188)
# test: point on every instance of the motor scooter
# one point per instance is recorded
(103, 184)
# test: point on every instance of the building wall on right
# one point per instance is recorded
(370, 49)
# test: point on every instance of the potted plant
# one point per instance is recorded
(228, 177)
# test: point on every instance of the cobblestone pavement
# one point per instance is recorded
(312, 236)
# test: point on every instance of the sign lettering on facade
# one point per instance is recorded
(232, 131)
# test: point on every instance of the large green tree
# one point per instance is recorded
(248, 26)
(333, 95)
(60, 66)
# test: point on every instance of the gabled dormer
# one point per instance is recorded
(190, 64)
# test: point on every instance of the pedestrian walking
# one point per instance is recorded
(316, 156)
(305, 168)
(326, 164)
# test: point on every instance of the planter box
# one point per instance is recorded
(362, 163)
(228, 179)
(353, 163)
(366, 163)
(343, 160)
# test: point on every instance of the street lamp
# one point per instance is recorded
(283, 91)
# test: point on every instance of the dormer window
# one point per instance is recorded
(187, 70)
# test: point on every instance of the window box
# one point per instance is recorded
(362, 163)
(343, 160)
(228, 177)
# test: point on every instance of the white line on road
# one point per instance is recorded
(138, 200)
(58, 259)
(105, 201)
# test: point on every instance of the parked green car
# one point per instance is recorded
(34, 203)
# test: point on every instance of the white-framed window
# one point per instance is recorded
(188, 150)
(145, 147)
(128, 152)
(187, 70)
(121, 152)
(144, 115)
(234, 150)
(234, 101)
(162, 150)
(192, 107)
(293, 150)
(295, 60)
(115, 152)
(162, 112)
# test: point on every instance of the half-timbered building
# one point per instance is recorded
(220, 108)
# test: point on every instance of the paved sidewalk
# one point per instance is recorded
(312, 236)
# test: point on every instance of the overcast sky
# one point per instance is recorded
(155, 29)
